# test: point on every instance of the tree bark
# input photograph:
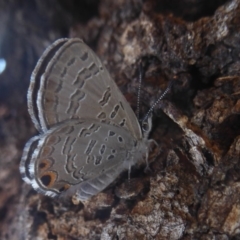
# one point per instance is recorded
(192, 190)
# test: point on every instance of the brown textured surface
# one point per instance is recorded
(193, 189)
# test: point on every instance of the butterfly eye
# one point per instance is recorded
(145, 127)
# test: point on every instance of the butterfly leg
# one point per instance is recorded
(129, 161)
(147, 168)
(129, 173)
(150, 148)
(150, 143)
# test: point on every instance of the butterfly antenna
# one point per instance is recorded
(158, 100)
(139, 89)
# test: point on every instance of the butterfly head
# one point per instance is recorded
(147, 126)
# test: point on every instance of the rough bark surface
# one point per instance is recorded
(193, 188)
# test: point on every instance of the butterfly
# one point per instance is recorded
(89, 134)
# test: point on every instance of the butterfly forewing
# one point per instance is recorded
(75, 84)
(36, 78)
(67, 154)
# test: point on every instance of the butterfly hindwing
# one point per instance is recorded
(78, 155)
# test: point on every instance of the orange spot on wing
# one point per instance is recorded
(43, 165)
(48, 179)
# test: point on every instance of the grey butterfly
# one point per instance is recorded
(88, 132)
